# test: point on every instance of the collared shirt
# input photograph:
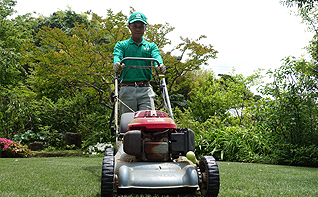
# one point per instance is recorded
(129, 48)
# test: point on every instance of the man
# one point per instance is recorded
(135, 90)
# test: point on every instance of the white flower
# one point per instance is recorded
(98, 148)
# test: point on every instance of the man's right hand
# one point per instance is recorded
(118, 67)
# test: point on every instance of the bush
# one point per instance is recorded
(13, 149)
(48, 136)
(97, 138)
(16, 113)
(288, 154)
(29, 136)
(290, 112)
(232, 144)
(213, 137)
(62, 115)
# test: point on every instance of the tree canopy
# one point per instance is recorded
(78, 58)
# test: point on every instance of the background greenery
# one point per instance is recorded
(56, 76)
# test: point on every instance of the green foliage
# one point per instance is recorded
(49, 137)
(13, 32)
(301, 4)
(97, 138)
(308, 11)
(54, 138)
(197, 54)
(216, 97)
(62, 116)
(16, 113)
(64, 20)
(29, 137)
(312, 68)
(292, 115)
(214, 137)
(178, 100)
(8, 66)
(210, 100)
(232, 144)
(186, 84)
(288, 154)
(19, 115)
(76, 64)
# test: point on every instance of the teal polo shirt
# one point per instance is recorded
(129, 48)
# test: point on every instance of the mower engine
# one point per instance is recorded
(153, 136)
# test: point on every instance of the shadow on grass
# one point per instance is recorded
(94, 170)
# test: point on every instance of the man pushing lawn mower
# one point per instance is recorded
(135, 90)
(152, 154)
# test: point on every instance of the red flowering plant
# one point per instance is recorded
(9, 148)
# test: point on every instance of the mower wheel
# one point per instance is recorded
(107, 183)
(209, 178)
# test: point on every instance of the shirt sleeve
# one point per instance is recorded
(118, 52)
(156, 54)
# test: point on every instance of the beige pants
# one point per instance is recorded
(137, 98)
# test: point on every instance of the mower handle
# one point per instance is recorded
(140, 58)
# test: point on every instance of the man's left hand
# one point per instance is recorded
(161, 69)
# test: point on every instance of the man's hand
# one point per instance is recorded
(118, 67)
(161, 69)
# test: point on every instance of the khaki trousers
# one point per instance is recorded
(137, 98)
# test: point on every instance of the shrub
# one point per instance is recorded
(29, 136)
(97, 138)
(53, 137)
(232, 144)
(62, 115)
(16, 113)
(10, 148)
(290, 112)
(213, 137)
(48, 136)
(288, 154)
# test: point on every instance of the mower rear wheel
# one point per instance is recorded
(209, 178)
(107, 183)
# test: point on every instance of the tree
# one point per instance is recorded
(193, 54)
(308, 10)
(217, 96)
(64, 20)
(186, 84)
(75, 63)
(291, 113)
(78, 62)
(13, 32)
(307, 4)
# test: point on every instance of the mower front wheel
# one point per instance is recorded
(209, 178)
(107, 183)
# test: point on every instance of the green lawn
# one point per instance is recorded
(80, 176)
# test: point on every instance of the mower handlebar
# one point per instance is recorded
(140, 58)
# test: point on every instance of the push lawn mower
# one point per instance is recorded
(150, 153)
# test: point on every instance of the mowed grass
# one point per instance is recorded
(80, 176)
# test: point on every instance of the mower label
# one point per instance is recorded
(156, 120)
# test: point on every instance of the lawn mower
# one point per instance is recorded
(153, 155)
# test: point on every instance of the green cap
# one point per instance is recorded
(137, 16)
